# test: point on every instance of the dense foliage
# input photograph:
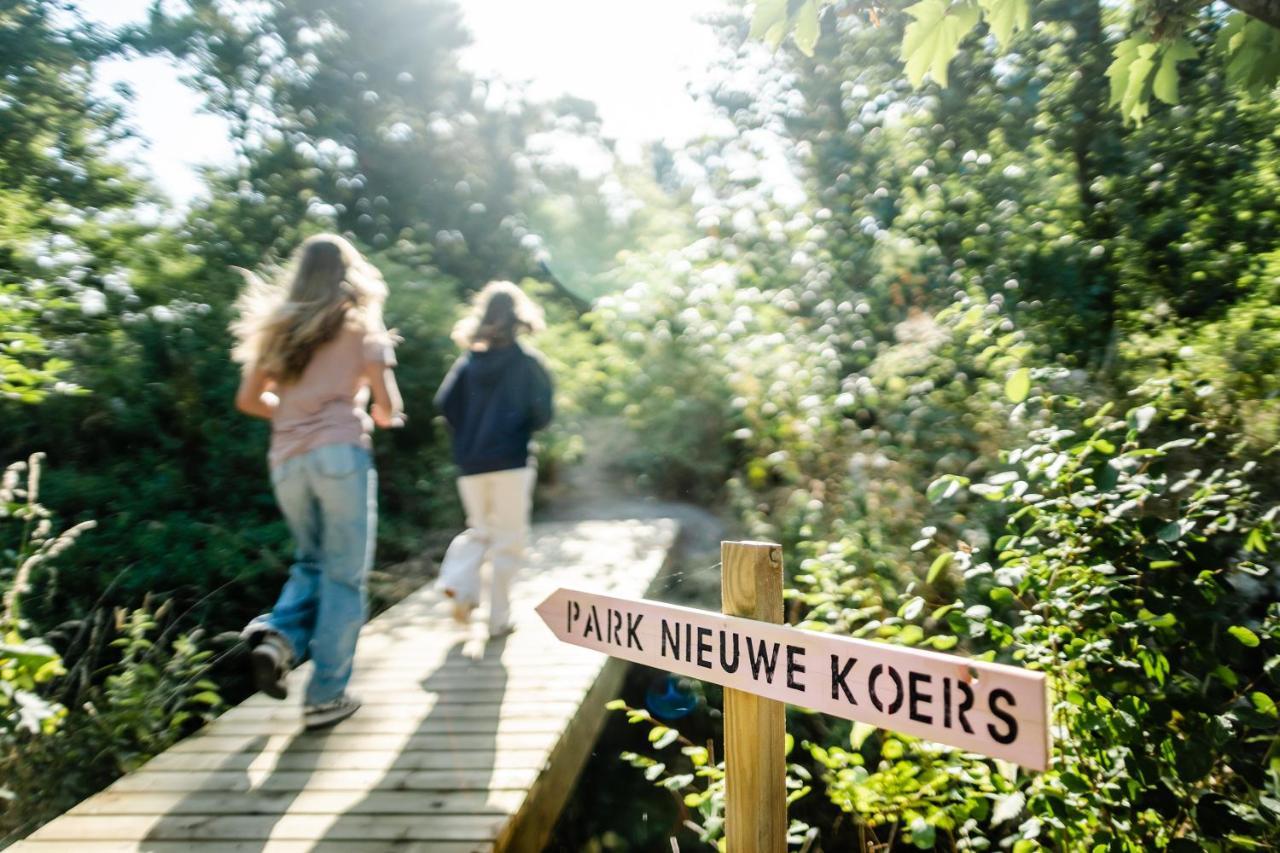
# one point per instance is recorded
(936, 342)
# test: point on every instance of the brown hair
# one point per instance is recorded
(280, 326)
(499, 313)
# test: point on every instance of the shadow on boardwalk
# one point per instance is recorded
(437, 785)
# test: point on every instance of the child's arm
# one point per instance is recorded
(449, 396)
(540, 409)
(254, 396)
(388, 408)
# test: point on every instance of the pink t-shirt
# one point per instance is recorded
(326, 405)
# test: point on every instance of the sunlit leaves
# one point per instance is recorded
(769, 21)
(945, 487)
(773, 19)
(807, 27)
(1165, 85)
(1129, 73)
(933, 38)
(1252, 51)
(1142, 68)
(939, 565)
(1018, 386)
(1246, 637)
(1006, 17)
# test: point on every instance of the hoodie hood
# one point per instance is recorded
(488, 366)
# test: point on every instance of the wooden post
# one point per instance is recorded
(754, 727)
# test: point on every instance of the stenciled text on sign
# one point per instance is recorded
(994, 709)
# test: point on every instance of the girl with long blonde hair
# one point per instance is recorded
(314, 349)
(495, 397)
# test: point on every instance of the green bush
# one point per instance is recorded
(125, 688)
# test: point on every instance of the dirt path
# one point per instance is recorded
(595, 488)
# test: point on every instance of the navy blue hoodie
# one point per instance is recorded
(494, 400)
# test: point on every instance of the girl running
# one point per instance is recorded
(314, 349)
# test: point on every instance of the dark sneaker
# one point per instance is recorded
(271, 660)
(329, 713)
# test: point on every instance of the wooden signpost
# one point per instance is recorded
(993, 709)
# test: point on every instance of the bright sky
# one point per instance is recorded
(634, 60)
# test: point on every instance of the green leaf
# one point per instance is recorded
(943, 560)
(615, 705)
(1018, 385)
(207, 697)
(1118, 71)
(923, 834)
(944, 487)
(31, 655)
(860, 733)
(1264, 703)
(769, 22)
(668, 737)
(1129, 73)
(697, 755)
(1244, 635)
(943, 642)
(911, 635)
(806, 33)
(933, 38)
(1134, 103)
(1252, 50)
(1005, 17)
(1140, 418)
(1165, 85)
(1008, 807)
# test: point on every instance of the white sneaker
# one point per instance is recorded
(461, 609)
(329, 713)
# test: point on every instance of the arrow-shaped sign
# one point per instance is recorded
(990, 708)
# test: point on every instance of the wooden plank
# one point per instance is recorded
(411, 725)
(256, 846)
(408, 697)
(219, 781)
(426, 759)
(755, 728)
(305, 802)
(427, 705)
(287, 827)
(345, 741)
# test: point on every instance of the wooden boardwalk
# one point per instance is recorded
(462, 744)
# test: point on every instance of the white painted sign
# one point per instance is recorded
(990, 708)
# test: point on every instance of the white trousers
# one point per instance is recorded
(497, 506)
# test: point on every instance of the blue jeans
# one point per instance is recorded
(329, 497)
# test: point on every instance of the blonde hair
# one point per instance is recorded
(281, 324)
(499, 313)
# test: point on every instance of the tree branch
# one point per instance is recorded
(1267, 11)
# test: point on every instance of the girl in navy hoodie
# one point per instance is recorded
(497, 394)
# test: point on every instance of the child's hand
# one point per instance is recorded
(385, 419)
